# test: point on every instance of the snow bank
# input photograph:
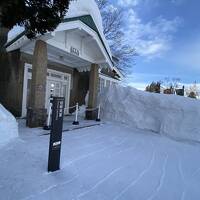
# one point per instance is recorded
(175, 116)
(8, 126)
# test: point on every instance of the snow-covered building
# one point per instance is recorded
(68, 62)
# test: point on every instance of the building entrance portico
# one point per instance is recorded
(57, 84)
(65, 63)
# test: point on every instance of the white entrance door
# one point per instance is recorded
(57, 89)
(58, 84)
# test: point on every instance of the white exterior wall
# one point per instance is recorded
(85, 45)
(105, 81)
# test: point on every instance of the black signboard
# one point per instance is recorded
(56, 133)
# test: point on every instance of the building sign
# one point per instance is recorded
(74, 51)
(56, 133)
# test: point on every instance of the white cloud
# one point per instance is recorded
(151, 38)
(141, 80)
(111, 8)
(128, 3)
(177, 2)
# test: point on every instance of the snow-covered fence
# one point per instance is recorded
(77, 113)
(76, 122)
(175, 116)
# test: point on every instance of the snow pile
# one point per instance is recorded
(8, 126)
(86, 7)
(175, 116)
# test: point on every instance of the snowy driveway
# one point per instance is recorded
(107, 162)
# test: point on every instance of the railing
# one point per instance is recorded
(75, 122)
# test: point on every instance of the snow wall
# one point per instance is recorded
(8, 126)
(174, 116)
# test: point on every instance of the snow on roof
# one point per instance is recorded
(77, 8)
(87, 7)
(16, 30)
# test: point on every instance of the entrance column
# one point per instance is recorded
(36, 113)
(93, 92)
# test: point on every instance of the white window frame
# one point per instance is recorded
(28, 75)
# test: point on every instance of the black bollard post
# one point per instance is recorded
(56, 133)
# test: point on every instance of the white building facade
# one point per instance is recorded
(67, 62)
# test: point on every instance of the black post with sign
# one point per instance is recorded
(56, 133)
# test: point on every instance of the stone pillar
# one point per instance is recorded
(36, 114)
(93, 87)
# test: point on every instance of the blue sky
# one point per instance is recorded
(166, 35)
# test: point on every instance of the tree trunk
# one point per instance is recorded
(3, 54)
(3, 37)
(3, 34)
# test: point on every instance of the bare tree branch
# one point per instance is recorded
(113, 25)
(101, 4)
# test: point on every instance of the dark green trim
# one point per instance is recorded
(15, 39)
(86, 19)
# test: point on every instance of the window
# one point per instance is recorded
(56, 76)
(107, 83)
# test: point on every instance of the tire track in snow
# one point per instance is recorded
(182, 176)
(186, 183)
(183, 195)
(82, 157)
(50, 188)
(138, 178)
(90, 154)
(180, 169)
(123, 150)
(99, 182)
(161, 179)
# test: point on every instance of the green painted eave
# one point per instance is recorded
(15, 39)
(86, 19)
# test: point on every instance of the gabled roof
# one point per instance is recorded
(87, 20)
(15, 39)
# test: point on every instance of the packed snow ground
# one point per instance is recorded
(107, 162)
(175, 116)
(8, 126)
